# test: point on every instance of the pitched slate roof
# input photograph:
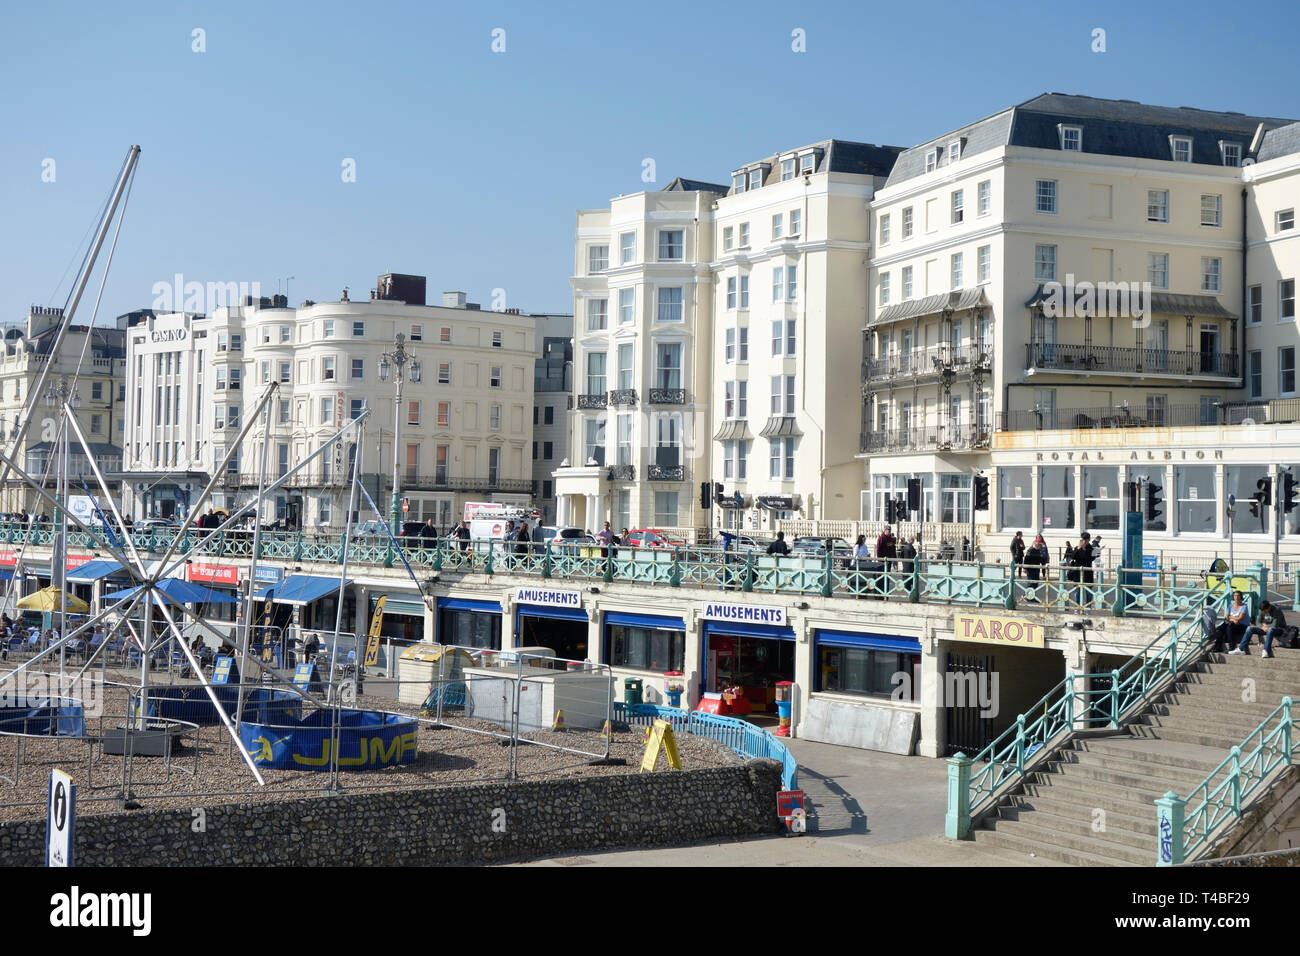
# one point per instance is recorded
(1282, 141)
(838, 156)
(1110, 128)
(694, 185)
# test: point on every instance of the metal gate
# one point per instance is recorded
(965, 677)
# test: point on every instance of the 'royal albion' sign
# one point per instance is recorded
(222, 574)
(552, 597)
(746, 613)
(997, 630)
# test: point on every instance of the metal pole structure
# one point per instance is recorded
(1231, 511)
(972, 513)
(338, 622)
(397, 360)
(252, 568)
(1277, 519)
(60, 556)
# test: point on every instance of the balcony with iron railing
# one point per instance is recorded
(410, 482)
(621, 473)
(929, 362)
(1277, 411)
(667, 396)
(1130, 361)
(970, 436)
(666, 472)
(598, 400)
(623, 396)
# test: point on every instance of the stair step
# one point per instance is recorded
(1095, 789)
(1080, 828)
(1224, 742)
(1136, 768)
(1095, 844)
(1005, 839)
(1083, 813)
(1155, 752)
(1212, 714)
(1192, 702)
(1228, 695)
(1088, 798)
(1236, 728)
(1134, 776)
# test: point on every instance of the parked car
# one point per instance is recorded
(743, 542)
(652, 538)
(370, 529)
(840, 549)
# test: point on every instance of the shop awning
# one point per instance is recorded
(300, 589)
(94, 570)
(734, 429)
(558, 613)
(465, 604)
(403, 605)
(179, 592)
(1164, 303)
(869, 641)
(651, 621)
(781, 426)
(741, 629)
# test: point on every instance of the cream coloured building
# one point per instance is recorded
(466, 426)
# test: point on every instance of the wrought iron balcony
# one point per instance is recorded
(600, 400)
(920, 438)
(623, 396)
(1105, 358)
(481, 483)
(929, 362)
(667, 396)
(621, 473)
(667, 472)
(1107, 416)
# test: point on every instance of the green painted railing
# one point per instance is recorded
(1185, 826)
(974, 784)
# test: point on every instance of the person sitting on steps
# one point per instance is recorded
(1238, 619)
(1274, 624)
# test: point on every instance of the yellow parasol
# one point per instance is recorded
(47, 599)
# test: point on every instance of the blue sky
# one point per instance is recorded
(470, 163)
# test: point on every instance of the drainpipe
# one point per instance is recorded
(1245, 290)
(803, 352)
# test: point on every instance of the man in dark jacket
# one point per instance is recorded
(1018, 552)
(1274, 625)
(886, 547)
(779, 546)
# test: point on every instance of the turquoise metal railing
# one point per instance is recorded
(974, 783)
(1184, 826)
(739, 736)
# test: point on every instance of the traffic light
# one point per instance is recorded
(891, 510)
(1256, 500)
(901, 509)
(1265, 493)
(706, 498)
(717, 491)
(1289, 484)
(914, 494)
(1154, 501)
(981, 493)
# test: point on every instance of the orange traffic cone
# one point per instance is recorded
(559, 721)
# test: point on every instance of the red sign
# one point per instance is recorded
(338, 409)
(77, 560)
(223, 574)
(8, 558)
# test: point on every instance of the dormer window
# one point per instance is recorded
(755, 178)
(1071, 138)
(931, 160)
(954, 151)
(1181, 147)
(787, 169)
(807, 164)
(738, 182)
(1231, 153)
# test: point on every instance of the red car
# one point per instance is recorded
(652, 538)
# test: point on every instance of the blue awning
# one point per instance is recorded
(94, 570)
(6, 574)
(645, 620)
(300, 589)
(875, 642)
(558, 613)
(465, 604)
(740, 629)
(179, 592)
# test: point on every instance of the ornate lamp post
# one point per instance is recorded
(395, 362)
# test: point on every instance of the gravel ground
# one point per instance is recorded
(448, 756)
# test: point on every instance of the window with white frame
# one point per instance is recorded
(1157, 205)
(782, 395)
(884, 288)
(784, 338)
(1285, 301)
(285, 334)
(954, 151)
(666, 508)
(1231, 153)
(625, 371)
(1211, 273)
(668, 365)
(744, 292)
(444, 414)
(671, 245)
(358, 330)
(1255, 305)
(778, 283)
(1072, 138)
(744, 235)
(597, 314)
(497, 340)
(791, 283)
(958, 204)
(358, 369)
(444, 373)
(1255, 373)
(738, 183)
(735, 395)
(787, 169)
(781, 461)
(1181, 148)
(1045, 263)
(626, 248)
(284, 373)
(1045, 196)
(728, 238)
(284, 411)
(1284, 219)
(221, 379)
(413, 413)
(494, 376)
(984, 197)
(1158, 269)
(735, 456)
(732, 285)
(884, 229)
(931, 160)
(796, 222)
(730, 348)
(1211, 209)
(670, 303)
(597, 258)
(417, 333)
(983, 263)
(1286, 371)
(807, 163)
(907, 282)
(266, 373)
(626, 306)
(755, 178)
(778, 221)
(907, 222)
(623, 425)
(494, 418)
(326, 410)
(744, 344)
(444, 335)
(955, 270)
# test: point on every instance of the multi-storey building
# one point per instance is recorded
(717, 332)
(1065, 279)
(465, 426)
(95, 388)
(552, 400)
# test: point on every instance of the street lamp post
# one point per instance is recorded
(395, 362)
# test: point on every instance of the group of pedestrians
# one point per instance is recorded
(1237, 628)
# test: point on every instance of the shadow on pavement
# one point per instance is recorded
(831, 809)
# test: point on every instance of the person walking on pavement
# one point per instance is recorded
(1018, 553)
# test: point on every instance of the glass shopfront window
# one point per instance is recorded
(469, 629)
(1101, 502)
(1243, 482)
(1015, 491)
(871, 673)
(646, 648)
(956, 498)
(1056, 489)
(1196, 500)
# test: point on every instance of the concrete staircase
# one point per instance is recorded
(1092, 802)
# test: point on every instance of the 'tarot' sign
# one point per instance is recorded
(553, 597)
(998, 630)
(749, 613)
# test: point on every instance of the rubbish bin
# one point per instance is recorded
(783, 706)
(631, 691)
